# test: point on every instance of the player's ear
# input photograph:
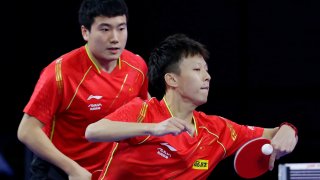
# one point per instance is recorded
(171, 79)
(85, 33)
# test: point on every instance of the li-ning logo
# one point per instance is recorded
(201, 164)
(168, 146)
(94, 107)
(94, 97)
(163, 153)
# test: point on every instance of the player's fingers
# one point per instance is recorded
(187, 126)
(177, 123)
(166, 127)
(272, 160)
(293, 145)
(169, 130)
(280, 154)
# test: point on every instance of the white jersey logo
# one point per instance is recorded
(168, 146)
(94, 107)
(94, 97)
(163, 153)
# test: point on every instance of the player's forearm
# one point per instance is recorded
(40, 144)
(109, 131)
(30, 133)
(269, 132)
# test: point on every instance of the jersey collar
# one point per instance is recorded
(193, 118)
(95, 62)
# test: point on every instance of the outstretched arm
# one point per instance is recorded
(283, 140)
(108, 130)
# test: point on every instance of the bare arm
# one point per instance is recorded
(31, 134)
(283, 141)
(107, 130)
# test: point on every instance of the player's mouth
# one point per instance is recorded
(205, 88)
(114, 50)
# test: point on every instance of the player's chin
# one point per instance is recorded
(202, 100)
(112, 56)
(205, 100)
(204, 95)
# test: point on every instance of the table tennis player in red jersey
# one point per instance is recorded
(169, 139)
(79, 88)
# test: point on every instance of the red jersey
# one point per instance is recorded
(173, 157)
(73, 92)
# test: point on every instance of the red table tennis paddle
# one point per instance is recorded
(252, 159)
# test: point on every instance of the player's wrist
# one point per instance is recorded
(147, 129)
(290, 125)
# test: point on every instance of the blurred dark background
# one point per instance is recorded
(264, 62)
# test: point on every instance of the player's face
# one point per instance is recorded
(108, 37)
(194, 80)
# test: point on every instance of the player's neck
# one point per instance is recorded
(108, 66)
(179, 108)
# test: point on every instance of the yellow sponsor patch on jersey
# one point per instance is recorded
(201, 164)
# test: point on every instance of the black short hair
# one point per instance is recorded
(167, 57)
(90, 9)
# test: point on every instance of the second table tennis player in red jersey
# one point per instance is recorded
(79, 88)
(169, 139)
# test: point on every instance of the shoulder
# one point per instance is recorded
(133, 60)
(70, 59)
(74, 58)
(150, 105)
(152, 102)
(212, 120)
(130, 56)
(71, 63)
(207, 117)
(136, 101)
